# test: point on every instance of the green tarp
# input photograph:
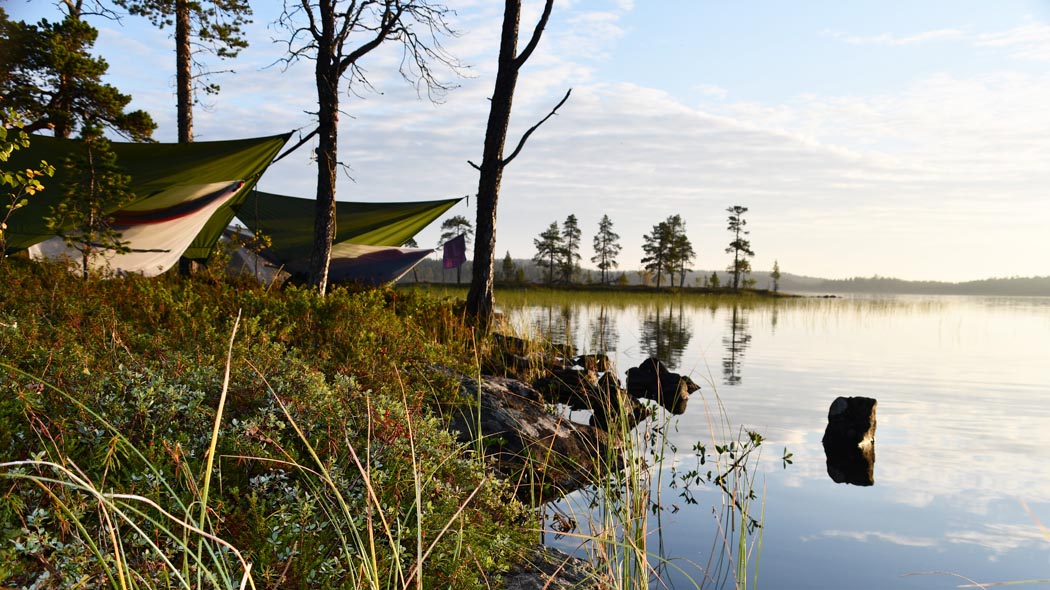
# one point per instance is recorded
(289, 222)
(158, 171)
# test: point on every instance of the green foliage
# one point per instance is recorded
(508, 268)
(606, 247)
(740, 247)
(217, 24)
(668, 249)
(548, 248)
(95, 188)
(314, 381)
(49, 77)
(18, 185)
(570, 250)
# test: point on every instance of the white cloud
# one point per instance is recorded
(1030, 41)
(867, 536)
(891, 40)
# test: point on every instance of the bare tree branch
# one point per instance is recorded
(525, 137)
(536, 33)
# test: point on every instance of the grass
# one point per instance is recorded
(212, 433)
(320, 419)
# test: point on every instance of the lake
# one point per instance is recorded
(962, 451)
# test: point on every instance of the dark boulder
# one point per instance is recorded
(849, 441)
(582, 389)
(652, 380)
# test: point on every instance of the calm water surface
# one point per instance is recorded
(962, 449)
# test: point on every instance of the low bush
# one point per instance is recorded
(330, 467)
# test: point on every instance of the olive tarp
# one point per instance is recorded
(369, 236)
(289, 222)
(163, 177)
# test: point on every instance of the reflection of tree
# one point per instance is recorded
(558, 327)
(736, 342)
(663, 337)
(604, 336)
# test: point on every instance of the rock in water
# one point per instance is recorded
(652, 380)
(849, 441)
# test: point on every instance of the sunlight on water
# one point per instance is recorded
(963, 436)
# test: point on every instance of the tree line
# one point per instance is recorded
(668, 251)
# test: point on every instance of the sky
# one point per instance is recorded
(890, 138)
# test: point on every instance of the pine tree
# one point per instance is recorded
(508, 268)
(606, 247)
(570, 253)
(740, 247)
(48, 76)
(212, 25)
(548, 249)
(95, 187)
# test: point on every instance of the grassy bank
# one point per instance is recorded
(215, 433)
(322, 459)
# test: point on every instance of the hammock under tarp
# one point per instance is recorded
(368, 265)
(157, 237)
(197, 185)
(367, 245)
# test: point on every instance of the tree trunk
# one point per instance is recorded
(184, 94)
(327, 76)
(183, 71)
(480, 298)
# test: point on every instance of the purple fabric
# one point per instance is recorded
(455, 251)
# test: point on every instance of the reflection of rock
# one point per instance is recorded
(652, 380)
(849, 441)
(542, 453)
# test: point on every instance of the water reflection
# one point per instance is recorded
(665, 336)
(558, 324)
(736, 341)
(603, 333)
(962, 387)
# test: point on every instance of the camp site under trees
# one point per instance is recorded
(308, 408)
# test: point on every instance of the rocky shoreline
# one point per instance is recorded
(531, 441)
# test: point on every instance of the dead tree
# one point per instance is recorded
(480, 298)
(337, 35)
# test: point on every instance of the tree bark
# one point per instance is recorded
(327, 75)
(184, 94)
(480, 298)
(183, 71)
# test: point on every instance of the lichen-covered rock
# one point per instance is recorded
(542, 453)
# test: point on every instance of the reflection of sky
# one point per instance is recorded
(963, 434)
